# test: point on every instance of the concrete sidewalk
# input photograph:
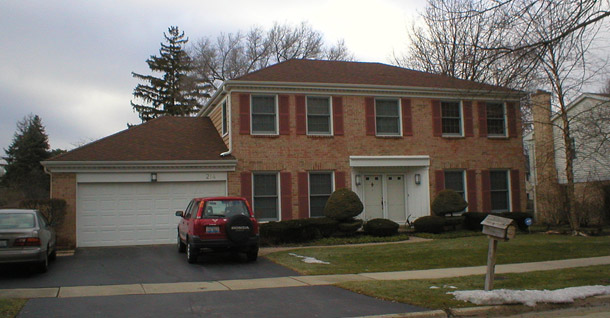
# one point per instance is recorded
(290, 281)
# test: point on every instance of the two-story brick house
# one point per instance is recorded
(296, 131)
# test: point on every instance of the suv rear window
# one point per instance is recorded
(17, 221)
(224, 208)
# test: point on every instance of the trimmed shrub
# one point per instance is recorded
(349, 227)
(326, 226)
(519, 218)
(448, 201)
(381, 227)
(343, 205)
(472, 220)
(429, 224)
(53, 209)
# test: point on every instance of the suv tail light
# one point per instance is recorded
(27, 241)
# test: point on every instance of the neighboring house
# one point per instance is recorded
(285, 137)
(589, 130)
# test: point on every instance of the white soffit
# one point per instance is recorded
(389, 161)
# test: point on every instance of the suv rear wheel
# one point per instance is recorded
(252, 254)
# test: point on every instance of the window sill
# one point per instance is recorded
(453, 136)
(265, 136)
(389, 136)
(320, 136)
(497, 137)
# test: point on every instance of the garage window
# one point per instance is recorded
(265, 196)
(320, 189)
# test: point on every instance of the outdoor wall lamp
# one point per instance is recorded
(358, 179)
(153, 177)
(417, 178)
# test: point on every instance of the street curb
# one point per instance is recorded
(422, 314)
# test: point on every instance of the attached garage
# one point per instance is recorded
(110, 214)
(126, 188)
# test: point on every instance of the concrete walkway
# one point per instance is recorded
(290, 281)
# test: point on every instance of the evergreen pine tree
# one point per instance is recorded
(176, 93)
(23, 171)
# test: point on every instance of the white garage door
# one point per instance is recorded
(110, 214)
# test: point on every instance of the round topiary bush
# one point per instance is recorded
(429, 224)
(343, 204)
(381, 227)
(448, 201)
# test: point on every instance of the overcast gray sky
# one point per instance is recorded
(70, 62)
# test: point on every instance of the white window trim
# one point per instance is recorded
(277, 117)
(332, 185)
(509, 194)
(461, 106)
(224, 121)
(504, 112)
(399, 134)
(330, 109)
(278, 191)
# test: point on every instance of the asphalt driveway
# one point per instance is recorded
(137, 265)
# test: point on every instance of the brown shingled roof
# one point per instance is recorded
(161, 139)
(340, 72)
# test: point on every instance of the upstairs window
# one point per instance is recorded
(451, 118)
(499, 190)
(224, 118)
(496, 119)
(318, 116)
(387, 117)
(264, 114)
(320, 189)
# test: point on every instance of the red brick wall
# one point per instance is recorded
(63, 186)
(297, 153)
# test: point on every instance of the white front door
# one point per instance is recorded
(373, 196)
(384, 197)
(396, 198)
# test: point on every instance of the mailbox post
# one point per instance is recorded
(497, 228)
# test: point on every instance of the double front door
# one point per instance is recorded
(385, 197)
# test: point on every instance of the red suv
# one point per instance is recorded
(218, 224)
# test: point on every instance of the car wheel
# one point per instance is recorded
(181, 246)
(53, 255)
(191, 253)
(252, 254)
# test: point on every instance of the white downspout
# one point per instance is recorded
(230, 123)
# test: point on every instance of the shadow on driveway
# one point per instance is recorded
(136, 265)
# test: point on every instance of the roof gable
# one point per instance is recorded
(162, 139)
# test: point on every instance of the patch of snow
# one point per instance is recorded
(309, 260)
(449, 286)
(529, 297)
(434, 287)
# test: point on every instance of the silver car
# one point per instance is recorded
(26, 237)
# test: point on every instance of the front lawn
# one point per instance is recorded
(461, 252)
(419, 293)
(9, 308)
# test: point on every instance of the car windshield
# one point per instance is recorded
(224, 208)
(16, 221)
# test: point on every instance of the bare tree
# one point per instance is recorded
(550, 39)
(232, 55)
(454, 44)
(606, 88)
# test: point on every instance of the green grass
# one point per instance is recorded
(9, 308)
(469, 251)
(358, 239)
(418, 292)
